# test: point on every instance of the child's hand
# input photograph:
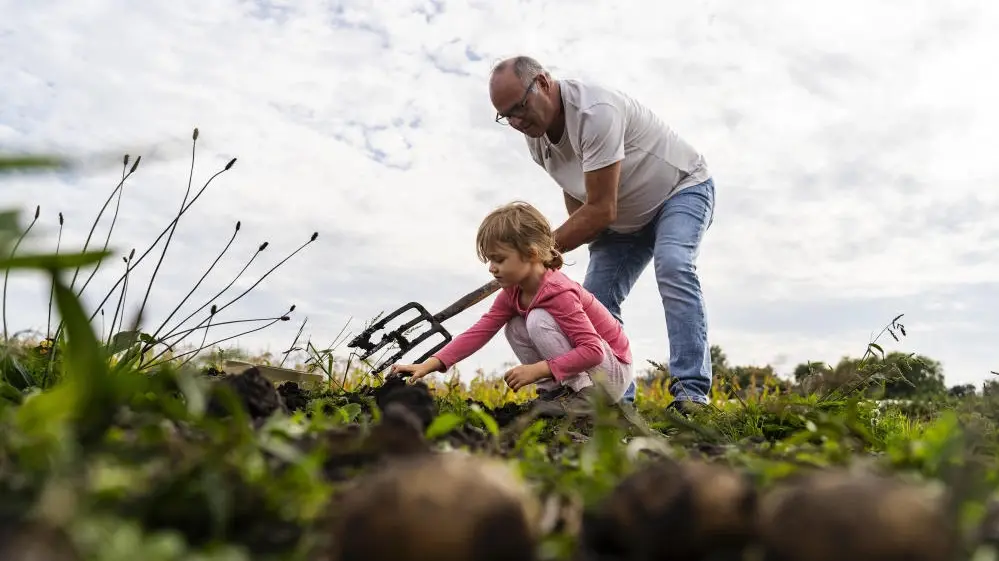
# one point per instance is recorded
(417, 371)
(526, 374)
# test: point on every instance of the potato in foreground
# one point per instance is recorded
(833, 515)
(449, 506)
(688, 510)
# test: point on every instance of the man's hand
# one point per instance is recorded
(593, 216)
(526, 374)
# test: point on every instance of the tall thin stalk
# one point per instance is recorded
(227, 167)
(202, 279)
(295, 342)
(48, 325)
(186, 332)
(213, 343)
(6, 274)
(313, 238)
(190, 179)
(107, 239)
(260, 248)
(265, 275)
(120, 307)
(93, 226)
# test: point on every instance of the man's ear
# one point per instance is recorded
(545, 82)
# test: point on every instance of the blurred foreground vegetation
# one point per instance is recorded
(121, 445)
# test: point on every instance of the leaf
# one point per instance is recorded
(443, 424)
(26, 163)
(350, 412)
(486, 419)
(10, 393)
(85, 367)
(16, 374)
(122, 341)
(54, 261)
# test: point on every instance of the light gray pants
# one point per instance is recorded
(539, 338)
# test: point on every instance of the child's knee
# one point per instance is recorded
(540, 321)
(516, 330)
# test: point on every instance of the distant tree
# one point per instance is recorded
(719, 361)
(963, 390)
(920, 376)
(901, 376)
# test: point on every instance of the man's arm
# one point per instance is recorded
(572, 204)
(588, 219)
(601, 146)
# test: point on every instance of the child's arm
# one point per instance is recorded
(476, 336)
(587, 348)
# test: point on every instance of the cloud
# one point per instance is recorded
(851, 154)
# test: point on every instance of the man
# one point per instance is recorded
(635, 193)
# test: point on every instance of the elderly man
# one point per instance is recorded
(635, 192)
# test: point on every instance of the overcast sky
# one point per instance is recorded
(852, 145)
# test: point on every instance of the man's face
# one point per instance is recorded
(525, 109)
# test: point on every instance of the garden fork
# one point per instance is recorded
(365, 340)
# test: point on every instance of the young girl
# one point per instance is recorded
(566, 340)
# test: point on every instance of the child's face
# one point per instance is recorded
(508, 266)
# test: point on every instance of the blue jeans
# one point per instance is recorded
(672, 241)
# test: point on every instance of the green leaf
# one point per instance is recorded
(24, 163)
(486, 419)
(53, 261)
(350, 412)
(85, 367)
(443, 424)
(122, 341)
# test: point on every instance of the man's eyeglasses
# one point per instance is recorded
(518, 108)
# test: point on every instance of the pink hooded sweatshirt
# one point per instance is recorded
(583, 319)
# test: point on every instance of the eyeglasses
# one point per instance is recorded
(518, 108)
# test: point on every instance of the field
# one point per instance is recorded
(179, 463)
(107, 453)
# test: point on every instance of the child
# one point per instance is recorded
(566, 340)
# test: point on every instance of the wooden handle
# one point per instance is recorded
(467, 301)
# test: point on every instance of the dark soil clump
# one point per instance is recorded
(414, 397)
(256, 393)
(294, 397)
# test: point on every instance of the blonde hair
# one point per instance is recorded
(523, 227)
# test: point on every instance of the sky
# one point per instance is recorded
(851, 144)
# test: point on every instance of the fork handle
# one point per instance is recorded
(467, 301)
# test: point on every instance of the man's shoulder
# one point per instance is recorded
(584, 95)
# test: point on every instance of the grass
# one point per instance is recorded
(123, 445)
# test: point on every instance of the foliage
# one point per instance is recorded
(111, 453)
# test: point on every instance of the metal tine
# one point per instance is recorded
(414, 342)
(364, 339)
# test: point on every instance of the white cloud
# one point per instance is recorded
(850, 145)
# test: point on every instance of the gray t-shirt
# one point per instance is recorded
(603, 126)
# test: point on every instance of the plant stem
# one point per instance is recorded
(48, 325)
(173, 228)
(6, 274)
(212, 266)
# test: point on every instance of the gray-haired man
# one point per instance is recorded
(635, 191)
